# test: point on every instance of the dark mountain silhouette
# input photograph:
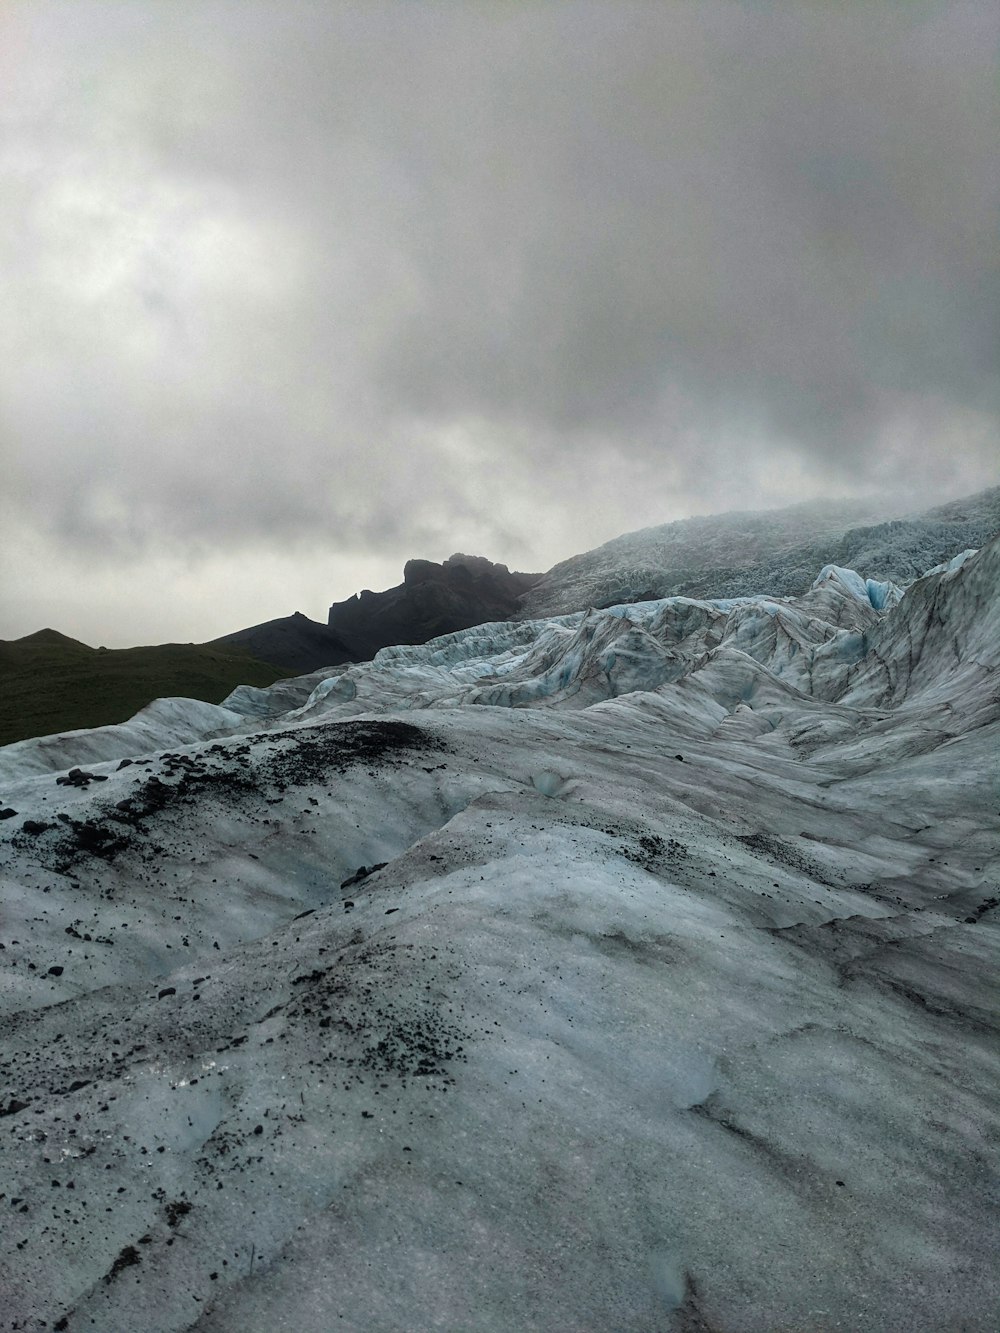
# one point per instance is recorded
(433, 599)
(294, 642)
(53, 683)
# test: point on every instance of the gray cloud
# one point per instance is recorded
(360, 281)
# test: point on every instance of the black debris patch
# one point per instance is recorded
(175, 1210)
(776, 849)
(231, 1045)
(7, 813)
(374, 1024)
(75, 1086)
(309, 977)
(192, 776)
(128, 1257)
(337, 746)
(987, 905)
(92, 840)
(420, 1045)
(13, 1106)
(243, 773)
(650, 850)
(361, 873)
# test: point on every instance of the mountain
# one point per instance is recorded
(50, 683)
(776, 552)
(432, 600)
(630, 969)
(294, 642)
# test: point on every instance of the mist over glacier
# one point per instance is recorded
(629, 968)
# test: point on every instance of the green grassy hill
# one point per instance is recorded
(50, 683)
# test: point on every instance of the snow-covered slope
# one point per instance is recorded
(776, 552)
(633, 970)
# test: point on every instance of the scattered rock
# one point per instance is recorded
(361, 873)
(35, 826)
(77, 777)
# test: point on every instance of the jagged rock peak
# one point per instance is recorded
(420, 571)
(433, 599)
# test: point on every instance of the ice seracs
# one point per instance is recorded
(881, 594)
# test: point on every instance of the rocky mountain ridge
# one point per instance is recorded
(771, 552)
(433, 599)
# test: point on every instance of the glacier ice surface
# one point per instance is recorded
(633, 969)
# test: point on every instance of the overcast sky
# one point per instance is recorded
(292, 292)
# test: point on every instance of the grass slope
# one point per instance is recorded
(51, 683)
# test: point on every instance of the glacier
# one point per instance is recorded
(630, 968)
(774, 552)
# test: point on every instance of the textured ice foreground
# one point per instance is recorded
(673, 1005)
